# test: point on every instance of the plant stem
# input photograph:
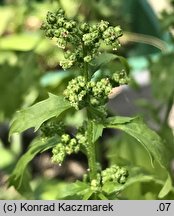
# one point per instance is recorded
(85, 64)
(91, 151)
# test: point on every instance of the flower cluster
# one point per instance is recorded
(120, 78)
(96, 183)
(67, 146)
(78, 92)
(99, 91)
(51, 128)
(115, 174)
(82, 41)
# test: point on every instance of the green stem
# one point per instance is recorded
(91, 151)
(85, 64)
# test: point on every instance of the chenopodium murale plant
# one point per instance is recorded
(81, 43)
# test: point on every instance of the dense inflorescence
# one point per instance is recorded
(51, 128)
(67, 146)
(80, 40)
(81, 43)
(114, 174)
(81, 93)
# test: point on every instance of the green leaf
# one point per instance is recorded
(35, 115)
(105, 58)
(94, 131)
(78, 189)
(166, 188)
(88, 194)
(18, 178)
(52, 189)
(150, 139)
(102, 196)
(110, 187)
(119, 120)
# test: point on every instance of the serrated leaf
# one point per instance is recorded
(150, 139)
(35, 115)
(18, 177)
(166, 188)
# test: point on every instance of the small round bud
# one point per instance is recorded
(60, 12)
(65, 138)
(84, 27)
(51, 18)
(61, 43)
(103, 25)
(88, 58)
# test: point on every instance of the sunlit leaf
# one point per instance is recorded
(35, 115)
(18, 178)
(147, 137)
(166, 188)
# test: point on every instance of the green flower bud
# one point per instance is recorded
(65, 138)
(65, 64)
(51, 18)
(114, 174)
(52, 128)
(93, 28)
(61, 43)
(103, 25)
(75, 92)
(60, 12)
(81, 139)
(49, 33)
(118, 31)
(94, 101)
(58, 153)
(88, 58)
(96, 183)
(44, 26)
(61, 21)
(84, 27)
(57, 33)
(67, 54)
